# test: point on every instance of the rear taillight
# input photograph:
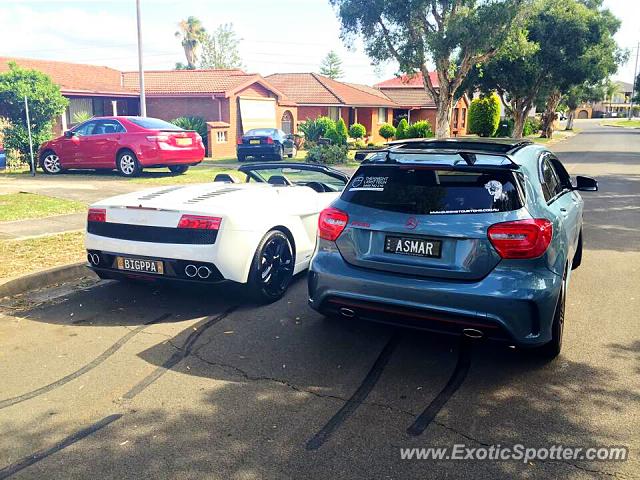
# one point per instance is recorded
(521, 238)
(239, 141)
(97, 215)
(331, 223)
(199, 222)
(269, 140)
(158, 138)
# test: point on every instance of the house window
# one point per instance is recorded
(221, 136)
(463, 120)
(334, 113)
(80, 109)
(382, 115)
(286, 124)
(456, 112)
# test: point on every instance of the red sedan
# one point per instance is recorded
(127, 144)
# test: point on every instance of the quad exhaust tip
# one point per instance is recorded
(473, 333)
(94, 258)
(204, 272)
(190, 270)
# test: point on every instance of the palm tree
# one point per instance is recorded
(192, 33)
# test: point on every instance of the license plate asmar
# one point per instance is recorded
(141, 265)
(417, 247)
(254, 142)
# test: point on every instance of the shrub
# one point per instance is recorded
(484, 115)
(532, 125)
(387, 131)
(81, 116)
(327, 154)
(357, 131)
(420, 129)
(193, 123)
(505, 129)
(341, 131)
(401, 131)
(358, 145)
(314, 129)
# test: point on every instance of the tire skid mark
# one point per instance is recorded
(178, 356)
(81, 371)
(35, 457)
(357, 398)
(455, 381)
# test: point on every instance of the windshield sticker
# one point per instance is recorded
(375, 184)
(494, 187)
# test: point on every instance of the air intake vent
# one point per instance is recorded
(151, 196)
(213, 193)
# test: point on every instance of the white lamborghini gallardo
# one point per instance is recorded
(259, 232)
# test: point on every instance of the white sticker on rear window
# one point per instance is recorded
(494, 187)
(375, 184)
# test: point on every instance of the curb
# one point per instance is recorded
(33, 281)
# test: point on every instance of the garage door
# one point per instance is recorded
(257, 113)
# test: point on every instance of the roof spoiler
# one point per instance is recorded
(470, 157)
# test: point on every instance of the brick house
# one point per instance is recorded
(90, 89)
(414, 103)
(231, 101)
(318, 95)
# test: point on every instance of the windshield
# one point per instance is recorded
(295, 176)
(154, 124)
(261, 132)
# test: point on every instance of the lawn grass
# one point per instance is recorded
(199, 174)
(20, 257)
(622, 123)
(23, 206)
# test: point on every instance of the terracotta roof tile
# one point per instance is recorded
(410, 97)
(311, 88)
(73, 77)
(414, 80)
(188, 81)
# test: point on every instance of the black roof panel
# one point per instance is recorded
(489, 145)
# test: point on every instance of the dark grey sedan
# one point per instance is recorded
(265, 143)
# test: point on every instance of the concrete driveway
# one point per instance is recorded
(112, 380)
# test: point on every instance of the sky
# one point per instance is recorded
(277, 36)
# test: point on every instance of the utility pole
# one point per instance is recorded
(633, 82)
(143, 100)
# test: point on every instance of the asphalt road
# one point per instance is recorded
(110, 380)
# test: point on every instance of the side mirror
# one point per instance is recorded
(68, 134)
(586, 184)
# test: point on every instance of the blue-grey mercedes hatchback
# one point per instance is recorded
(465, 237)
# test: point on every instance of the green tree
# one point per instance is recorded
(484, 115)
(401, 131)
(357, 131)
(45, 103)
(192, 33)
(341, 132)
(331, 66)
(611, 90)
(387, 131)
(220, 49)
(454, 35)
(562, 45)
(579, 94)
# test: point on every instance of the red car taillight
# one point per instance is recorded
(269, 140)
(199, 222)
(239, 140)
(331, 223)
(521, 238)
(97, 215)
(158, 138)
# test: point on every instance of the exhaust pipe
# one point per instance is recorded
(204, 272)
(347, 312)
(473, 333)
(94, 258)
(190, 271)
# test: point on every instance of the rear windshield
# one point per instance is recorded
(426, 191)
(261, 132)
(154, 124)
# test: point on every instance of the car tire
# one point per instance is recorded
(50, 163)
(127, 164)
(551, 350)
(241, 157)
(272, 268)
(280, 154)
(294, 153)
(178, 169)
(577, 257)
